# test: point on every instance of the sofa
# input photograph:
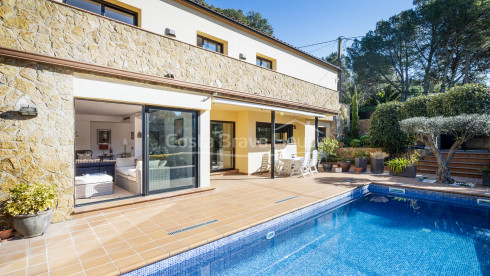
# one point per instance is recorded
(92, 166)
(129, 175)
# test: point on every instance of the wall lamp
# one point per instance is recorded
(28, 110)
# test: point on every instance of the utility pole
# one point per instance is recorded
(339, 85)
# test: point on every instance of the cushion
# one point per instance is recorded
(93, 178)
(132, 172)
(84, 156)
(124, 170)
(125, 162)
(154, 164)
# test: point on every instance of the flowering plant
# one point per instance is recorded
(30, 199)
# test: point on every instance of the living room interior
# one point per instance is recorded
(108, 151)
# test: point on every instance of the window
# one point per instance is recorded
(283, 133)
(209, 44)
(107, 10)
(262, 62)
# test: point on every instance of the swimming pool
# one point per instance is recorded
(355, 234)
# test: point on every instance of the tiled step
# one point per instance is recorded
(221, 173)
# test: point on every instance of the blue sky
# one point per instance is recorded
(310, 21)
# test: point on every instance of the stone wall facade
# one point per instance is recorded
(40, 148)
(53, 29)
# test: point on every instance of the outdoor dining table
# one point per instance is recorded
(288, 164)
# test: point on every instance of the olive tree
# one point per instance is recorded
(462, 127)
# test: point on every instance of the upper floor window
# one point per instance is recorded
(105, 9)
(209, 44)
(262, 62)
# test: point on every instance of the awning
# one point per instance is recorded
(267, 107)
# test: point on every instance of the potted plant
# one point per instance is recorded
(325, 165)
(486, 176)
(327, 147)
(343, 162)
(31, 208)
(361, 157)
(405, 167)
(378, 161)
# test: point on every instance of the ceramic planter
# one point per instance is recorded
(361, 162)
(410, 171)
(32, 225)
(358, 170)
(327, 167)
(377, 165)
(486, 179)
(345, 165)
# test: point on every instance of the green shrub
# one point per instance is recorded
(346, 141)
(355, 143)
(364, 140)
(467, 99)
(30, 199)
(361, 153)
(355, 115)
(328, 146)
(384, 130)
(415, 107)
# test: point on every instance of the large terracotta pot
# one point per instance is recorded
(32, 225)
(345, 165)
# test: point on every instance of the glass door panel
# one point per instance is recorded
(222, 146)
(172, 149)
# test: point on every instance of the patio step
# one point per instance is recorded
(222, 173)
(464, 164)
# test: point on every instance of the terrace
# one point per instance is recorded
(117, 241)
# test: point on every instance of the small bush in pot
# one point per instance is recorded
(361, 157)
(343, 162)
(328, 146)
(486, 176)
(31, 208)
(355, 143)
(378, 161)
(406, 167)
(326, 167)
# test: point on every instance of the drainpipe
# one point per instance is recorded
(273, 144)
(316, 133)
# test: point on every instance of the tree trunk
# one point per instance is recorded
(443, 173)
(466, 67)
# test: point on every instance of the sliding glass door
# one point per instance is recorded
(171, 149)
(222, 145)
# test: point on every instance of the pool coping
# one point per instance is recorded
(188, 259)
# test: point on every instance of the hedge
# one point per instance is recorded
(384, 129)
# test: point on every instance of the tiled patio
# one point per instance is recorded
(118, 242)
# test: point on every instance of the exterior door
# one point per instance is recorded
(171, 145)
(222, 146)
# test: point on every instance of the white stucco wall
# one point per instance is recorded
(156, 15)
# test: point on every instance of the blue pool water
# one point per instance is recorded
(374, 235)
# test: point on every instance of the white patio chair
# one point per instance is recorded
(301, 166)
(264, 165)
(279, 167)
(314, 162)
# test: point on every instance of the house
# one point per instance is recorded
(148, 97)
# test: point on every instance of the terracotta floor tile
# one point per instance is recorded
(66, 270)
(21, 272)
(166, 240)
(130, 263)
(93, 263)
(14, 265)
(122, 254)
(154, 255)
(37, 259)
(175, 247)
(145, 247)
(107, 269)
(37, 269)
(93, 253)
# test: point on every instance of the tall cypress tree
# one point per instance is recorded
(354, 132)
